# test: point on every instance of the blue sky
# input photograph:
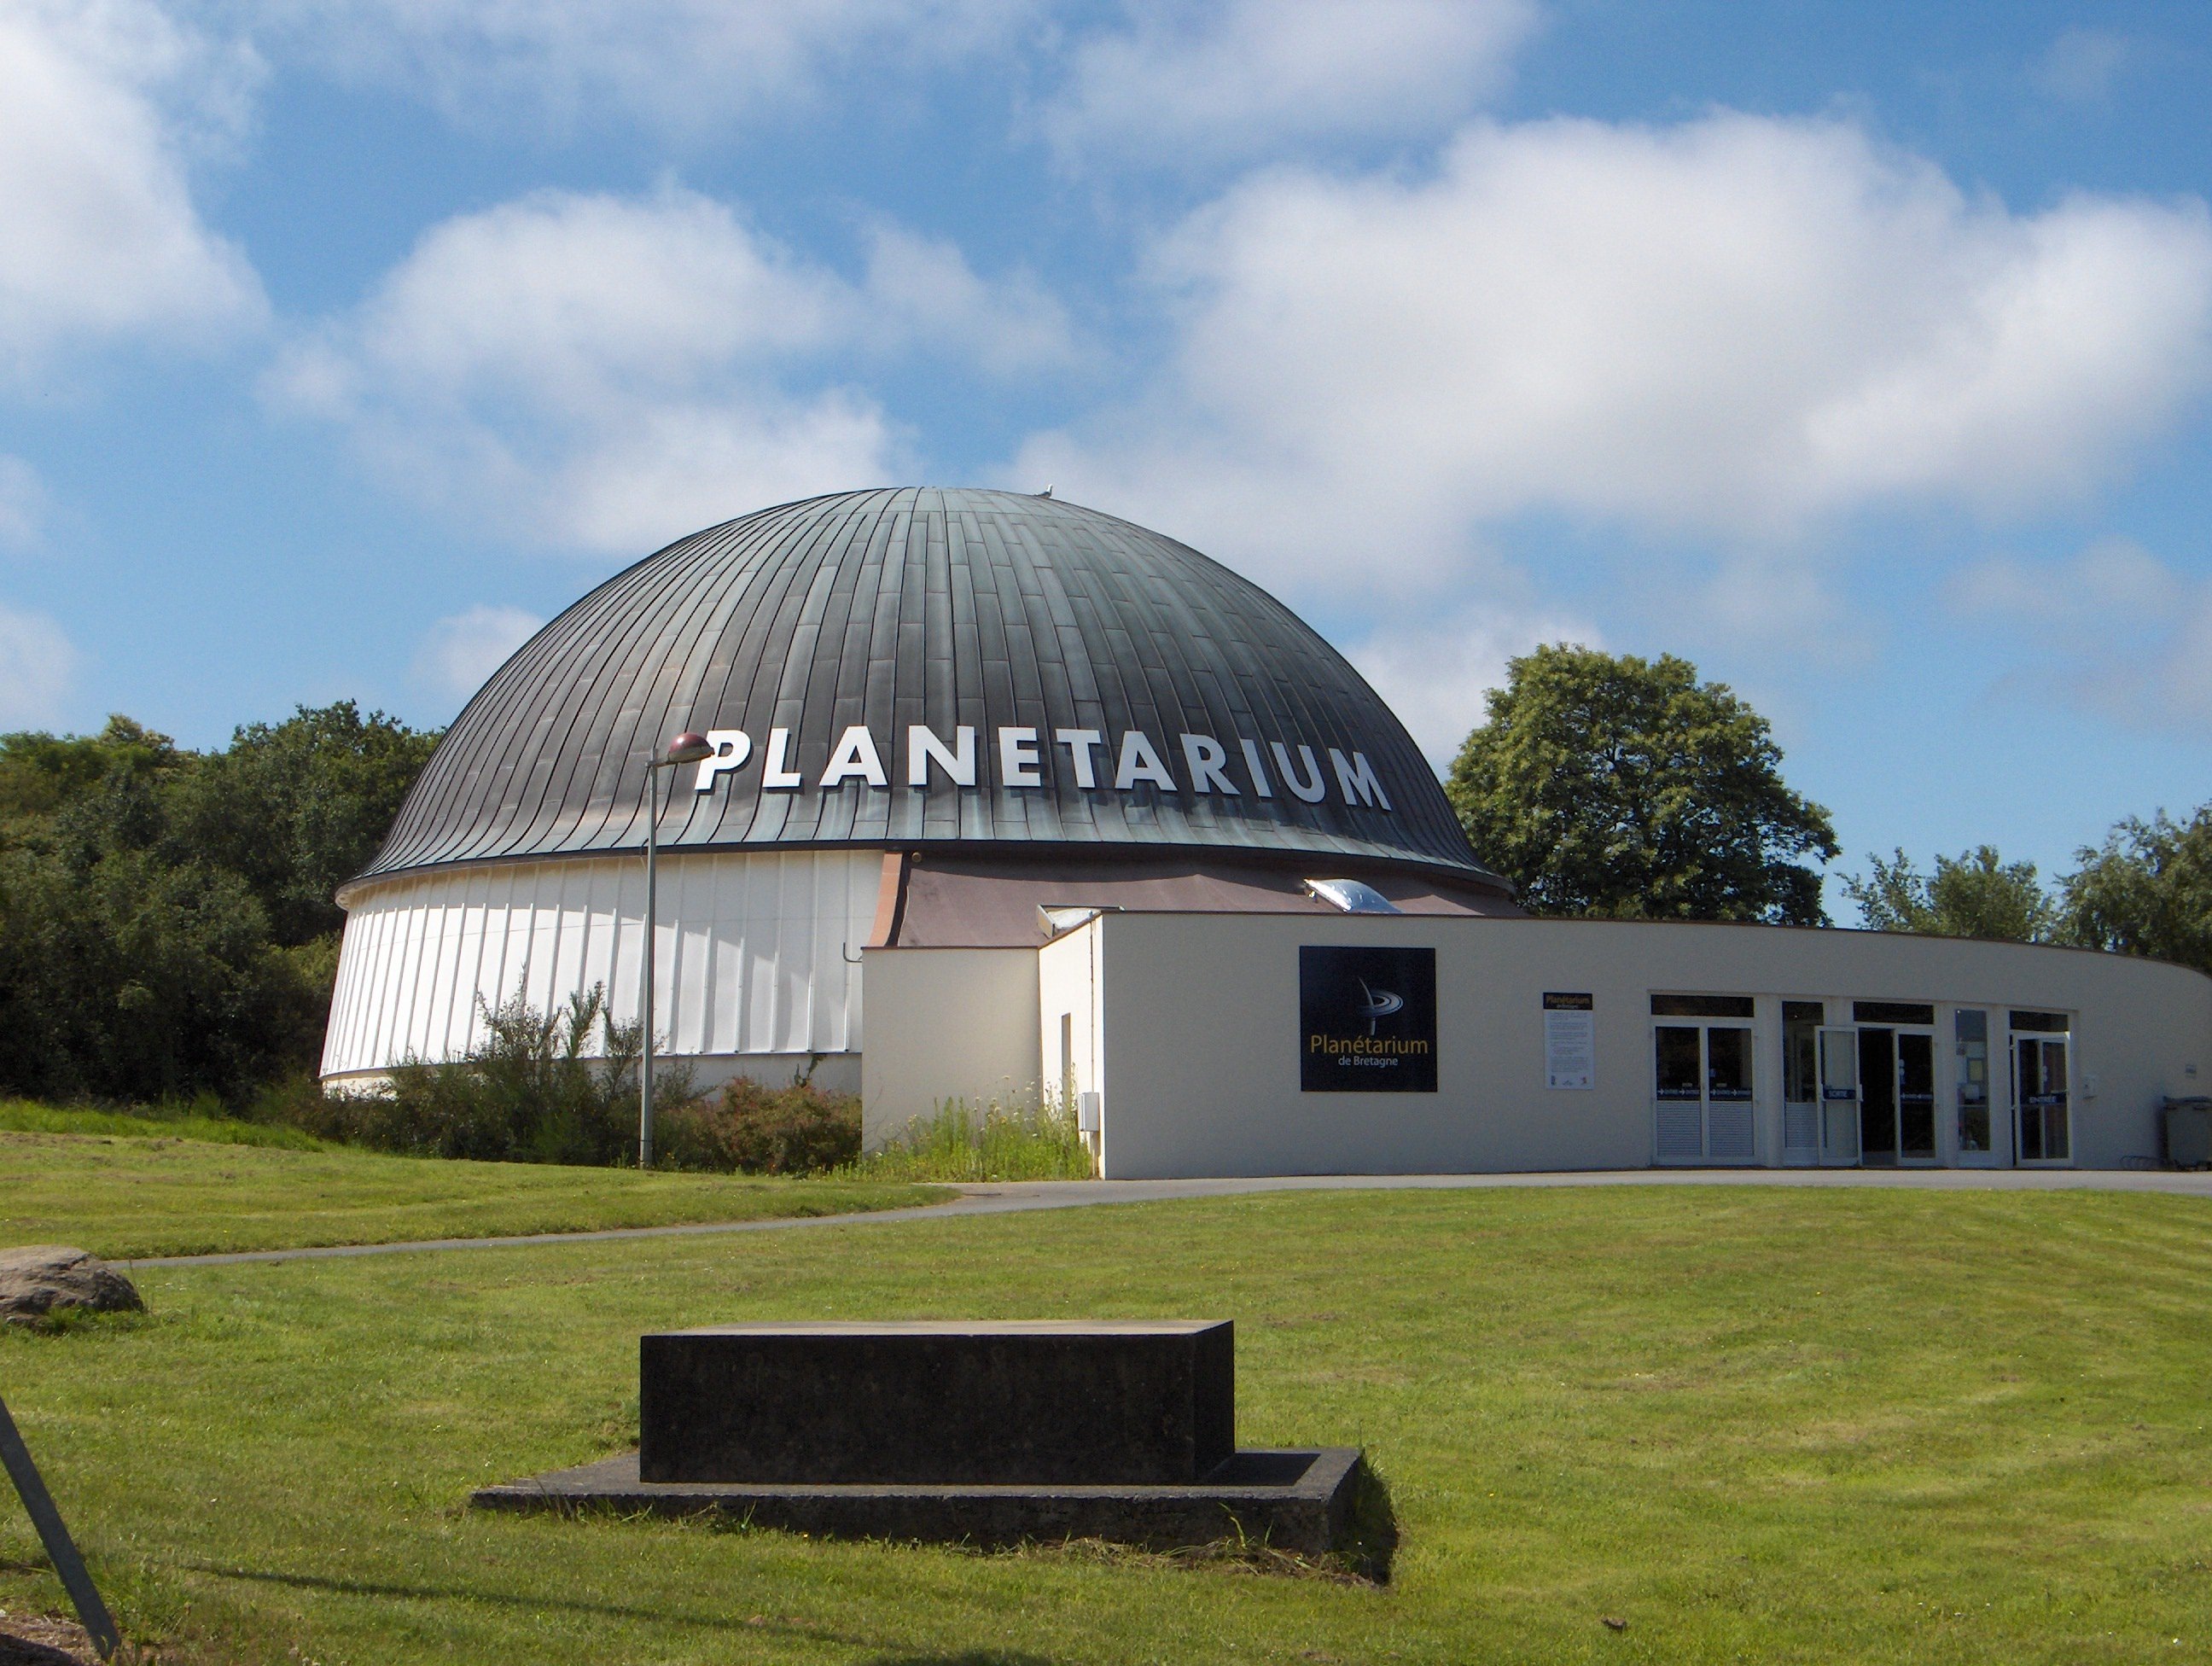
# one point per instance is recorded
(1860, 353)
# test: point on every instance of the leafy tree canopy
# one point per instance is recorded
(166, 923)
(1977, 894)
(2147, 891)
(297, 808)
(41, 774)
(1605, 784)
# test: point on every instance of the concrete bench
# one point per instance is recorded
(1138, 1402)
(985, 1433)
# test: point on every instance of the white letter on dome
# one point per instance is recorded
(1258, 771)
(1017, 758)
(1080, 744)
(732, 748)
(957, 760)
(1140, 762)
(1205, 755)
(1356, 775)
(775, 776)
(1311, 789)
(855, 755)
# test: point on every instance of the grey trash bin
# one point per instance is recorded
(2189, 1132)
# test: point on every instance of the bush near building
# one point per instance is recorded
(751, 1129)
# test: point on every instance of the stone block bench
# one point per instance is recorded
(985, 1433)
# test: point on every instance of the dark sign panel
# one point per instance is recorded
(1367, 1020)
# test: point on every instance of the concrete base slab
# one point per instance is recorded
(1301, 1500)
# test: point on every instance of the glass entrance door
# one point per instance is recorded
(1702, 1093)
(2041, 1102)
(1839, 1097)
(1916, 1097)
(1896, 1096)
(1878, 1097)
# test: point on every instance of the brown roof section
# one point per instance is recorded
(940, 900)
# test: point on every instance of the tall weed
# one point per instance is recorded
(1033, 1141)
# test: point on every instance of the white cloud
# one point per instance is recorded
(100, 103)
(36, 661)
(459, 654)
(1436, 677)
(2112, 629)
(22, 504)
(921, 289)
(1738, 327)
(1191, 84)
(608, 371)
(686, 67)
(2082, 65)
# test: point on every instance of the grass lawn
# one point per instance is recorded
(143, 1190)
(1770, 1424)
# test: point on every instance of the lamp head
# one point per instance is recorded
(689, 748)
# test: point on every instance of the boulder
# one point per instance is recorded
(39, 1278)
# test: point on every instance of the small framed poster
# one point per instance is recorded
(1367, 1020)
(1569, 1039)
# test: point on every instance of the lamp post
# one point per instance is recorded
(686, 748)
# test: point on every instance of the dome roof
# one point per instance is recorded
(1083, 682)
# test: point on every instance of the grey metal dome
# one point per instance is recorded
(942, 607)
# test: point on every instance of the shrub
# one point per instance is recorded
(1036, 1140)
(757, 1129)
(528, 1092)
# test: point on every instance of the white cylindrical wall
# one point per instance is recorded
(751, 952)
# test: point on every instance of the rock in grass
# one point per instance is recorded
(36, 1279)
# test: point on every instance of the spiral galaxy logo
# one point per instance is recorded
(1367, 1019)
(1378, 1004)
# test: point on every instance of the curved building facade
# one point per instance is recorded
(934, 712)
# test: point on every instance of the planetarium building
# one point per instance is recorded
(1006, 797)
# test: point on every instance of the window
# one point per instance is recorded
(1892, 1012)
(1972, 1030)
(1800, 1030)
(2045, 1023)
(1800, 1080)
(1727, 1063)
(1352, 896)
(1701, 1006)
(1676, 1062)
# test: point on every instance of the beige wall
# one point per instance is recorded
(1202, 1058)
(957, 1023)
(1068, 987)
(1188, 1024)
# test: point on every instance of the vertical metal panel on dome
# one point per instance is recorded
(753, 953)
(942, 607)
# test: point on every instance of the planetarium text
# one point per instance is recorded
(1024, 755)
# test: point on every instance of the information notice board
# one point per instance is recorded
(1569, 1040)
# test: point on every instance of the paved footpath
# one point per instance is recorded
(1014, 1197)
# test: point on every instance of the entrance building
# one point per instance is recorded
(1198, 1044)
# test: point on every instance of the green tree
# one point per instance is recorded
(297, 808)
(1977, 894)
(1605, 784)
(43, 775)
(2146, 891)
(166, 923)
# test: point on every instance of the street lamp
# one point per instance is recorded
(686, 748)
